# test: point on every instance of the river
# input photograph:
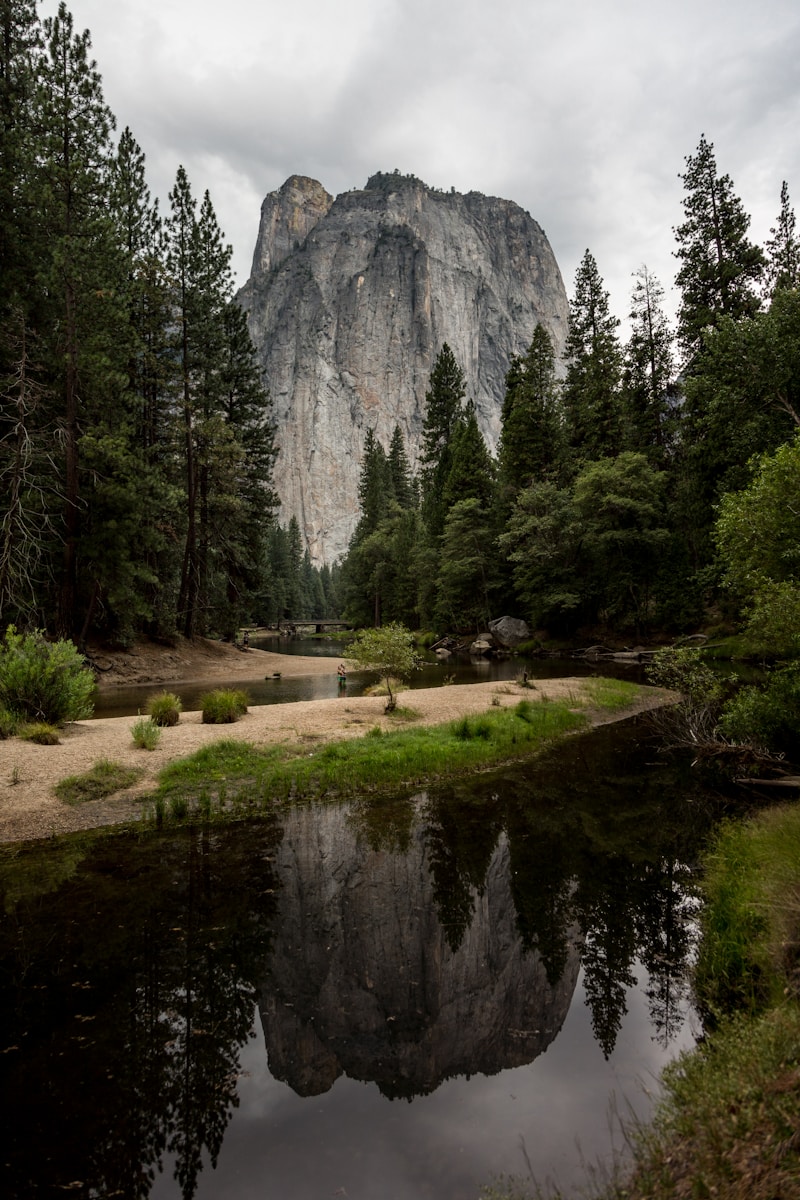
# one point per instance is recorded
(382, 1001)
(126, 701)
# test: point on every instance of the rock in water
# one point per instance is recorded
(349, 302)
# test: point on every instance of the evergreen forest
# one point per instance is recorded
(137, 440)
(136, 435)
(605, 509)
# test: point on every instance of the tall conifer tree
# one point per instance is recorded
(591, 394)
(720, 268)
(782, 272)
(531, 440)
(79, 261)
(649, 368)
(444, 402)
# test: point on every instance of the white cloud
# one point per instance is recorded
(582, 113)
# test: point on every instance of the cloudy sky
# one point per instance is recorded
(581, 111)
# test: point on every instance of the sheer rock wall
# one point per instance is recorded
(349, 302)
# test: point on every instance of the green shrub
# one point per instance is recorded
(146, 733)
(40, 732)
(223, 706)
(165, 709)
(8, 724)
(43, 681)
(768, 716)
(529, 647)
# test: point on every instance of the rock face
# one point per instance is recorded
(350, 301)
(362, 978)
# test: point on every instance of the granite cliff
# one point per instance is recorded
(349, 302)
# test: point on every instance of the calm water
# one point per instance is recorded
(128, 701)
(378, 1001)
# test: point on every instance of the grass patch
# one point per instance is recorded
(381, 688)
(727, 1125)
(40, 732)
(402, 712)
(612, 694)
(8, 723)
(165, 709)
(223, 706)
(242, 779)
(750, 949)
(104, 778)
(728, 1120)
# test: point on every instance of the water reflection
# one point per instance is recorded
(438, 938)
(368, 977)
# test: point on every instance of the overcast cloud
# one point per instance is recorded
(580, 112)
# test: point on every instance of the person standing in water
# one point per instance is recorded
(341, 673)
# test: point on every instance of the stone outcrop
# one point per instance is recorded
(350, 301)
(366, 982)
(509, 631)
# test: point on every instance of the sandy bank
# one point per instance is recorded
(29, 808)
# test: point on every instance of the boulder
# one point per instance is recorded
(509, 631)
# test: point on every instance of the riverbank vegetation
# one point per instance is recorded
(234, 778)
(727, 1126)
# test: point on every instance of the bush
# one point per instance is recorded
(40, 732)
(8, 724)
(146, 733)
(165, 709)
(768, 716)
(223, 706)
(43, 681)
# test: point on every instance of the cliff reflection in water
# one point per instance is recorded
(367, 978)
(401, 943)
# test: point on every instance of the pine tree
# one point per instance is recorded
(472, 470)
(649, 368)
(466, 566)
(19, 50)
(246, 408)
(375, 487)
(400, 470)
(443, 409)
(783, 251)
(591, 395)
(720, 269)
(531, 439)
(181, 245)
(79, 262)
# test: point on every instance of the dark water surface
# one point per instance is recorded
(382, 1001)
(128, 701)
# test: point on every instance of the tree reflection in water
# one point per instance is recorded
(401, 943)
